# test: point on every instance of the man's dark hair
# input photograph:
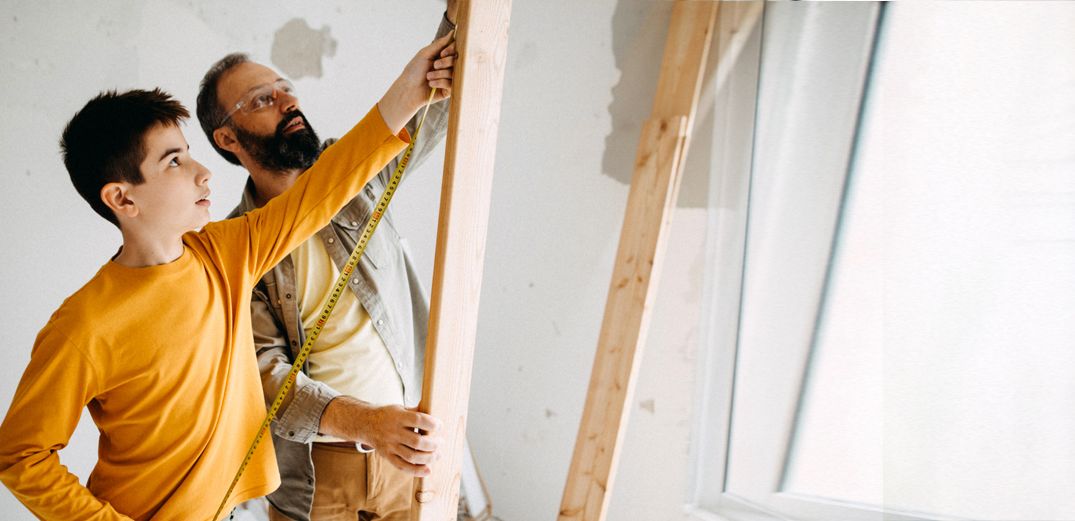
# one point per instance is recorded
(104, 142)
(211, 113)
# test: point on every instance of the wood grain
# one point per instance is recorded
(482, 38)
(652, 197)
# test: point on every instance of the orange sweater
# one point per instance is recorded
(163, 358)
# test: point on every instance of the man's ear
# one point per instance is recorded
(224, 137)
(115, 196)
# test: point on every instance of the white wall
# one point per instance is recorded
(580, 79)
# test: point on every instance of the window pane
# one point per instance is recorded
(813, 58)
(945, 346)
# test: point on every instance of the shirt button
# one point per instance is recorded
(354, 223)
(380, 322)
(399, 365)
(288, 296)
(331, 240)
(294, 342)
(354, 281)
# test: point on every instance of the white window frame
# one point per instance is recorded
(794, 297)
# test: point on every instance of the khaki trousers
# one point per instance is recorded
(350, 486)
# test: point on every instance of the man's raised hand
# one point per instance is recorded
(432, 67)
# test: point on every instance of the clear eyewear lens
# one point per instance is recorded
(263, 97)
(266, 95)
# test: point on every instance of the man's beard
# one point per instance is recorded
(279, 152)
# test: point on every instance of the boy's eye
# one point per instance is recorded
(174, 162)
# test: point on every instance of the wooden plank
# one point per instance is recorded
(482, 38)
(654, 188)
(685, 52)
(652, 196)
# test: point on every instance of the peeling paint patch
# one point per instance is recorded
(297, 49)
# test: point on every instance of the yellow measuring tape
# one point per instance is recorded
(337, 291)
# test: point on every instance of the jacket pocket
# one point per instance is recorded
(376, 252)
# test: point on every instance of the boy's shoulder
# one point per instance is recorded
(80, 311)
(86, 313)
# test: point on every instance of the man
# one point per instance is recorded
(158, 344)
(345, 437)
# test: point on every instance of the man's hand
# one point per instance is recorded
(431, 68)
(389, 429)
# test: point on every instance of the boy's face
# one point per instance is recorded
(175, 195)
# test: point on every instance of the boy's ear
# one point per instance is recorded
(224, 137)
(115, 197)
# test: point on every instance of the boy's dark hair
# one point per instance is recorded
(210, 112)
(104, 142)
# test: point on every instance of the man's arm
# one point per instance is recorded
(57, 384)
(312, 406)
(406, 437)
(300, 414)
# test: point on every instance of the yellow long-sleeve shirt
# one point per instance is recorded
(163, 358)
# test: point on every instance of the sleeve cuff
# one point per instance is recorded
(302, 418)
(446, 26)
(403, 136)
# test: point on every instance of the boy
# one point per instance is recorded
(158, 344)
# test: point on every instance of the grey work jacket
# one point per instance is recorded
(387, 285)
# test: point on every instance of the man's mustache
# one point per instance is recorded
(287, 119)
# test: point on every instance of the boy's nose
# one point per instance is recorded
(203, 174)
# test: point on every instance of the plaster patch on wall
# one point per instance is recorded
(639, 30)
(297, 49)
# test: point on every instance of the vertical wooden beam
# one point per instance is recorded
(685, 52)
(654, 187)
(481, 40)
